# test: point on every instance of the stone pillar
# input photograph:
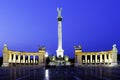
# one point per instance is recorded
(10, 58)
(105, 58)
(23, 58)
(14, 58)
(96, 58)
(18, 58)
(36, 61)
(80, 59)
(109, 58)
(31, 61)
(33, 58)
(83, 61)
(28, 58)
(39, 59)
(100, 58)
(85, 58)
(76, 59)
(88, 61)
(60, 51)
(90, 58)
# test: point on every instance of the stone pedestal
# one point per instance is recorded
(5, 64)
(114, 64)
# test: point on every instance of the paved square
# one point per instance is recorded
(60, 73)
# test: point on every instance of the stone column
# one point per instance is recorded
(80, 59)
(100, 58)
(14, 58)
(39, 59)
(109, 58)
(28, 58)
(76, 58)
(18, 58)
(36, 61)
(105, 58)
(85, 58)
(90, 58)
(60, 51)
(31, 61)
(10, 57)
(23, 58)
(33, 58)
(96, 58)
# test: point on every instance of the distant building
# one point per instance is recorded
(97, 58)
(11, 57)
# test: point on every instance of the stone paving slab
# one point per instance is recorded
(60, 73)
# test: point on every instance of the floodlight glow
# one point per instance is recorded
(46, 74)
(46, 54)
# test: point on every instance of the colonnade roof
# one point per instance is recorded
(24, 52)
(21, 51)
(90, 53)
(98, 51)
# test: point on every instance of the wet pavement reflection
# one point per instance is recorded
(60, 73)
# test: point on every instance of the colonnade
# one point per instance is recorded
(13, 57)
(25, 58)
(102, 57)
(96, 58)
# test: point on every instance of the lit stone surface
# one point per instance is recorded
(59, 51)
(107, 58)
(14, 57)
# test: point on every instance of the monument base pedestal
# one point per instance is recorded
(78, 64)
(114, 64)
(59, 61)
(60, 53)
(5, 65)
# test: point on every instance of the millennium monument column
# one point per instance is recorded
(59, 51)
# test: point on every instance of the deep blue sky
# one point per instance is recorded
(27, 24)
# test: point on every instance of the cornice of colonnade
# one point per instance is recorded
(21, 51)
(25, 53)
(94, 53)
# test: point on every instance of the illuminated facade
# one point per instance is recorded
(98, 58)
(16, 57)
